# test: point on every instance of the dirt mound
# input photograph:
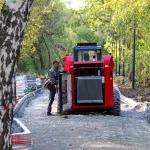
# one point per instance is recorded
(140, 94)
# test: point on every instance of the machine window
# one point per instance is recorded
(86, 56)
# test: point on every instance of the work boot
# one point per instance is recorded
(49, 114)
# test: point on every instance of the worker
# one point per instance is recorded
(53, 75)
(86, 57)
(94, 58)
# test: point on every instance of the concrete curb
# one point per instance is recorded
(23, 103)
(22, 140)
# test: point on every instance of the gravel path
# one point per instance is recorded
(90, 132)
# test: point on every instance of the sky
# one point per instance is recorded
(75, 4)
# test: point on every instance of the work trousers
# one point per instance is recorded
(51, 100)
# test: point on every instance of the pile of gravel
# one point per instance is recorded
(148, 113)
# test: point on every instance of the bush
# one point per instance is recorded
(27, 91)
(122, 81)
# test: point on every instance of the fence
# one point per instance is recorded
(27, 82)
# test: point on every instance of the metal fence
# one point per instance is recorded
(30, 82)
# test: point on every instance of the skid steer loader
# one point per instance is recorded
(86, 83)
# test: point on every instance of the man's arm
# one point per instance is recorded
(51, 75)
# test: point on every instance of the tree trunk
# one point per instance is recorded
(116, 59)
(34, 62)
(42, 66)
(123, 58)
(49, 55)
(13, 21)
(123, 65)
(119, 59)
(39, 53)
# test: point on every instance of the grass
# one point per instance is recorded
(28, 91)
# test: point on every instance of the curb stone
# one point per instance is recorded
(23, 103)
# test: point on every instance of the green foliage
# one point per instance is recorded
(53, 29)
(115, 20)
(14, 1)
(122, 81)
(1, 5)
(27, 91)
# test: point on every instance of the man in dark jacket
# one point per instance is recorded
(53, 76)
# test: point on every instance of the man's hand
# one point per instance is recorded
(56, 86)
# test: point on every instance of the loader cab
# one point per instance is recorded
(87, 52)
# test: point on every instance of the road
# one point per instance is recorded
(85, 132)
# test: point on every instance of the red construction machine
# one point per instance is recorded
(86, 84)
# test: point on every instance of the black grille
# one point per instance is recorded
(89, 90)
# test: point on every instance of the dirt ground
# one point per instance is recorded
(139, 94)
(85, 132)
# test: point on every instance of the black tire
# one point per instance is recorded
(117, 106)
